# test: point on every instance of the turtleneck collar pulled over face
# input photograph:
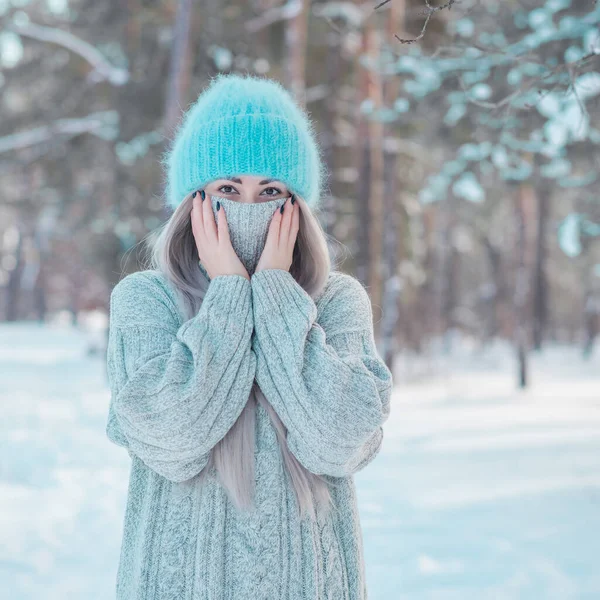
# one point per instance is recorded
(248, 227)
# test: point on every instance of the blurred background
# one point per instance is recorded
(462, 141)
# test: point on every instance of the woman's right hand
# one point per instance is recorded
(212, 240)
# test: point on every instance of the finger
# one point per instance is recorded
(272, 240)
(210, 226)
(196, 217)
(286, 222)
(295, 225)
(223, 227)
(277, 221)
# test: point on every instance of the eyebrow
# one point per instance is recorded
(238, 180)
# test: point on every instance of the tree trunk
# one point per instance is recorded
(393, 240)
(376, 206)
(179, 68)
(540, 284)
(591, 308)
(524, 202)
(494, 261)
(328, 138)
(13, 287)
(295, 45)
(363, 166)
(447, 266)
(179, 73)
(591, 324)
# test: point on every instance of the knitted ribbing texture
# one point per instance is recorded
(248, 224)
(246, 124)
(178, 386)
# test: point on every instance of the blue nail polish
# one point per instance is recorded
(202, 195)
(218, 206)
(282, 207)
(194, 195)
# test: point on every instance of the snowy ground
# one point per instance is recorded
(480, 492)
(483, 492)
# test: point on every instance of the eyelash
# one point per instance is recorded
(269, 188)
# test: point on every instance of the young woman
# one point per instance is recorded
(245, 381)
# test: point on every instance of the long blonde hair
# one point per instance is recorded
(171, 249)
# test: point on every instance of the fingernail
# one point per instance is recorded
(282, 207)
(293, 198)
(202, 195)
(194, 195)
(218, 206)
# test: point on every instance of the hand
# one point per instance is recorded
(281, 238)
(212, 240)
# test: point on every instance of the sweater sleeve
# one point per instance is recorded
(177, 389)
(324, 379)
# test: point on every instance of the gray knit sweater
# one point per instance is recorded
(177, 388)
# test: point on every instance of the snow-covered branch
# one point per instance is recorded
(103, 70)
(96, 123)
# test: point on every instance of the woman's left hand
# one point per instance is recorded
(281, 238)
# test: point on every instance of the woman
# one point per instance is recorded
(245, 382)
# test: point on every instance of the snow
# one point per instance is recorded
(62, 487)
(491, 492)
(11, 49)
(467, 186)
(569, 235)
(480, 491)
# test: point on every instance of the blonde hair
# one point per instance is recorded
(172, 251)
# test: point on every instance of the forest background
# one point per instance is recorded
(462, 141)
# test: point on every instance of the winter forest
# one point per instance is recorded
(462, 141)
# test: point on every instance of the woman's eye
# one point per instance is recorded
(277, 191)
(226, 186)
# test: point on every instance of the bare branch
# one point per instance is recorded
(287, 11)
(429, 11)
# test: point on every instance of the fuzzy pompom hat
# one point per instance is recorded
(244, 125)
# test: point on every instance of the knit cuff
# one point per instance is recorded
(275, 291)
(232, 293)
(228, 299)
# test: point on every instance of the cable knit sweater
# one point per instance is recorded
(177, 388)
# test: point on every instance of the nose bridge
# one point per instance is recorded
(250, 189)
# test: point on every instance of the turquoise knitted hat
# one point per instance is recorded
(244, 125)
